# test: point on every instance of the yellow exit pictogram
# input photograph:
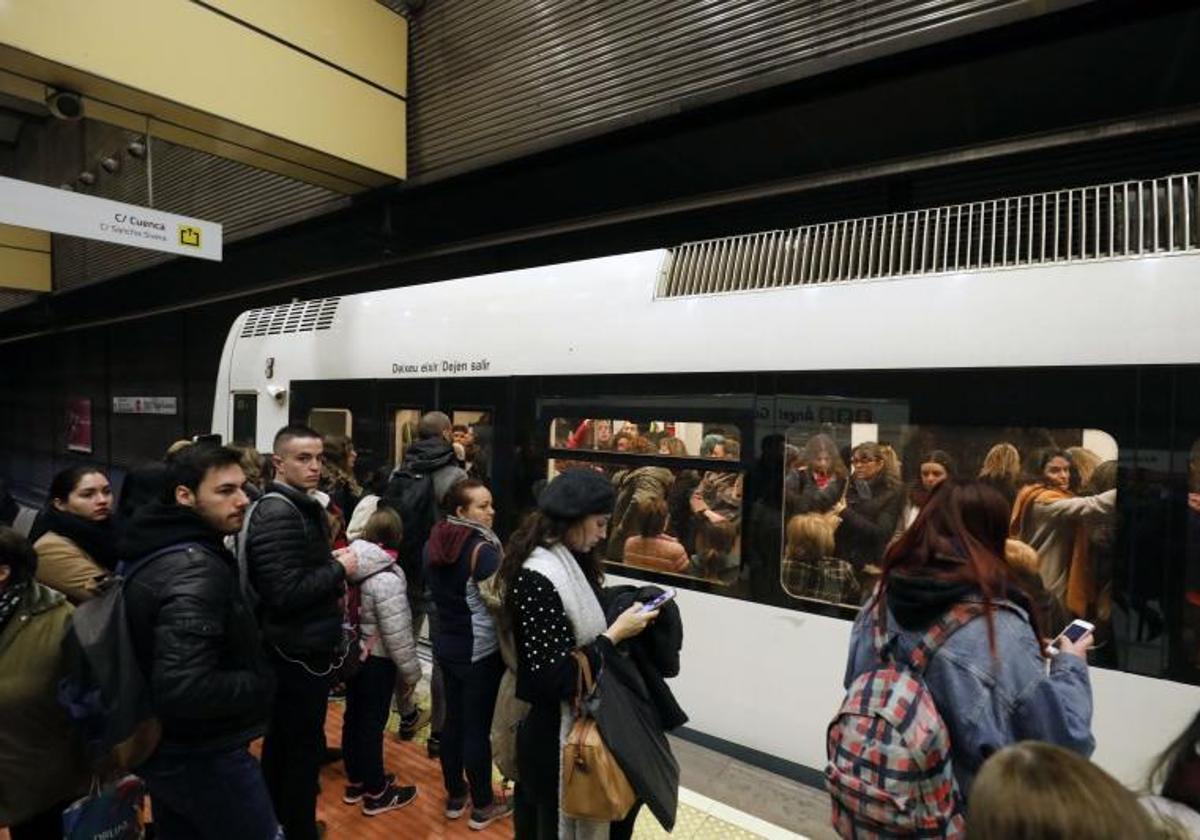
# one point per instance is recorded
(189, 236)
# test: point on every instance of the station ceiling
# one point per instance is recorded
(1119, 82)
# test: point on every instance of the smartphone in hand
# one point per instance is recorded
(1073, 632)
(666, 595)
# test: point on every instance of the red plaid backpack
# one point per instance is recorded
(889, 772)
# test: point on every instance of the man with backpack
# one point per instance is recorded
(197, 645)
(298, 584)
(416, 491)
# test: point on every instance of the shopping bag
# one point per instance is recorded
(110, 812)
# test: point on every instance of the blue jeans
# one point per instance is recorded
(368, 702)
(209, 796)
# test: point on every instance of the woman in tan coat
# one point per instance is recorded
(41, 764)
(74, 537)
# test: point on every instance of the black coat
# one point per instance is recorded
(195, 639)
(655, 651)
(869, 520)
(292, 569)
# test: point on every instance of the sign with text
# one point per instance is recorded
(144, 405)
(61, 211)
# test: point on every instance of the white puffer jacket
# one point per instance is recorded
(384, 616)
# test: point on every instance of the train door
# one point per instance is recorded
(480, 411)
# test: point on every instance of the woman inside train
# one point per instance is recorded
(872, 505)
(819, 483)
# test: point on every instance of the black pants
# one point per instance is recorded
(368, 702)
(295, 745)
(539, 821)
(466, 733)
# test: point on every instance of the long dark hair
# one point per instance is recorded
(538, 530)
(917, 493)
(67, 480)
(959, 538)
(1172, 758)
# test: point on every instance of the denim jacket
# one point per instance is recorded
(990, 702)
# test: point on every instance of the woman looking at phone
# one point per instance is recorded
(989, 679)
(552, 573)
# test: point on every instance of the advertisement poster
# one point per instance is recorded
(79, 425)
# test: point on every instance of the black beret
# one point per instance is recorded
(576, 493)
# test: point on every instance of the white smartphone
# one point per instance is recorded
(666, 595)
(1074, 631)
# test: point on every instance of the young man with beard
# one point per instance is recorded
(197, 643)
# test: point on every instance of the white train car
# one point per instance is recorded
(1067, 318)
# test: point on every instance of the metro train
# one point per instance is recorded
(1065, 318)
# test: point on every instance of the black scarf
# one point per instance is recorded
(10, 599)
(98, 539)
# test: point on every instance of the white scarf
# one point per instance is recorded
(559, 566)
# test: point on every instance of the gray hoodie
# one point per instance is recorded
(385, 617)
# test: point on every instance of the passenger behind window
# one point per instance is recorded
(680, 522)
(872, 506)
(718, 497)
(651, 548)
(633, 486)
(819, 482)
(1023, 563)
(936, 467)
(1084, 461)
(1002, 470)
(809, 568)
(715, 559)
(1039, 790)
(1050, 517)
(672, 446)
(1102, 555)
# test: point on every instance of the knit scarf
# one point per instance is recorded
(10, 599)
(483, 530)
(558, 565)
(1081, 583)
(97, 539)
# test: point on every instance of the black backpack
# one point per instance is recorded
(410, 494)
(103, 689)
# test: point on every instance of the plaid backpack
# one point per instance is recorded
(889, 772)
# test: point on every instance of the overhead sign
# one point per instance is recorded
(144, 405)
(61, 211)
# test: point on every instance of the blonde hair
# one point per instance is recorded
(809, 536)
(1002, 461)
(178, 446)
(1035, 790)
(1021, 556)
(674, 446)
(1085, 461)
(891, 461)
(250, 462)
(336, 468)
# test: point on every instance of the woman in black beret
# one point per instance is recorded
(552, 575)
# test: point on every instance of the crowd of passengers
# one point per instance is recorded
(514, 625)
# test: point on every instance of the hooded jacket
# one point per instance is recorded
(385, 617)
(436, 457)
(465, 631)
(986, 701)
(298, 582)
(40, 761)
(195, 639)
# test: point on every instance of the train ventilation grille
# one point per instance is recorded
(1114, 221)
(296, 317)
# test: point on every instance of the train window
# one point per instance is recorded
(404, 431)
(662, 437)
(473, 431)
(678, 521)
(848, 496)
(245, 419)
(331, 421)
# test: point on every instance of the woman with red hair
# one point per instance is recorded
(989, 678)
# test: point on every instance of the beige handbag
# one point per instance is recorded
(594, 787)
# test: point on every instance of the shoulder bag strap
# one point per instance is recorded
(583, 679)
(475, 559)
(955, 619)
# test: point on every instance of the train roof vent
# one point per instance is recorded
(296, 317)
(1123, 220)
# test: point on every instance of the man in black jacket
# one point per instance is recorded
(197, 643)
(299, 583)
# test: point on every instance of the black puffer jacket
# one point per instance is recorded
(195, 639)
(293, 571)
(869, 520)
